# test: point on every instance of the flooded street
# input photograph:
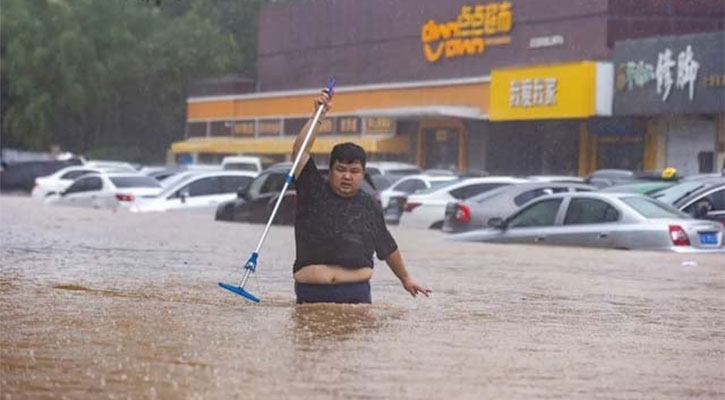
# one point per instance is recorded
(96, 304)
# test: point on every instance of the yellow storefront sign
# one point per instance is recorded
(543, 92)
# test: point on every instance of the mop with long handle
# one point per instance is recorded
(251, 265)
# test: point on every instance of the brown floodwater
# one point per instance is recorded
(100, 305)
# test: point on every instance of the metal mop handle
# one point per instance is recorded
(287, 181)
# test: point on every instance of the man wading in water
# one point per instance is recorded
(338, 226)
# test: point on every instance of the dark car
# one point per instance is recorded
(21, 176)
(701, 198)
(256, 202)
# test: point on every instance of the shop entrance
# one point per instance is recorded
(441, 148)
(691, 146)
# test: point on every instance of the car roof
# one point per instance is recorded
(527, 186)
(390, 165)
(429, 177)
(595, 195)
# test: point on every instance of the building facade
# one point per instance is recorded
(675, 87)
(515, 87)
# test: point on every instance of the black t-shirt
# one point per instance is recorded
(335, 230)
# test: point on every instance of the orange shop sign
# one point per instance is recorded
(470, 33)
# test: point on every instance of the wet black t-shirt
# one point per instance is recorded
(335, 230)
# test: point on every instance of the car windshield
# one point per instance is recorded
(649, 208)
(677, 192)
(240, 167)
(439, 184)
(404, 171)
(135, 181)
(443, 184)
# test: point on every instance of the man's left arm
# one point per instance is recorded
(395, 262)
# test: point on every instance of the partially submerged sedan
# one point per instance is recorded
(607, 220)
(106, 190)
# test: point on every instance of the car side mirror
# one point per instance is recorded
(242, 192)
(183, 195)
(497, 223)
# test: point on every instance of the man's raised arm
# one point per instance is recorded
(324, 100)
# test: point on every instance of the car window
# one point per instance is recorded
(403, 172)
(714, 201)
(231, 184)
(529, 195)
(241, 167)
(381, 182)
(677, 192)
(372, 171)
(542, 213)
(73, 175)
(273, 184)
(203, 187)
(93, 183)
(257, 184)
(652, 208)
(590, 211)
(410, 185)
(135, 181)
(467, 191)
(77, 186)
(88, 184)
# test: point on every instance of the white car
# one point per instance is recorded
(106, 190)
(242, 163)
(199, 191)
(411, 184)
(60, 180)
(115, 165)
(426, 209)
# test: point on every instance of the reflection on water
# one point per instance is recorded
(332, 321)
(85, 316)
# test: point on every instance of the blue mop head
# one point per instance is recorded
(250, 265)
(240, 291)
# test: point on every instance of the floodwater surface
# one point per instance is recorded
(100, 304)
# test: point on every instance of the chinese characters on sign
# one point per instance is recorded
(469, 33)
(533, 92)
(379, 125)
(666, 73)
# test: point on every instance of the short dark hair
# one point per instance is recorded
(347, 153)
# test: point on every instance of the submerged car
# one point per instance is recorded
(426, 208)
(106, 190)
(256, 202)
(606, 220)
(411, 184)
(475, 212)
(197, 191)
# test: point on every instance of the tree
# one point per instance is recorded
(110, 77)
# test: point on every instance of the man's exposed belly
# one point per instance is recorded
(331, 274)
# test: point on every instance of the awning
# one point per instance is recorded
(277, 145)
(424, 111)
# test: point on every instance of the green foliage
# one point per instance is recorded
(85, 74)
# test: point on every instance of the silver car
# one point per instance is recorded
(197, 191)
(607, 220)
(474, 212)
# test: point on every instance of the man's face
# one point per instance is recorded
(346, 179)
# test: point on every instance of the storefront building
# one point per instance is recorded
(429, 82)
(675, 85)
